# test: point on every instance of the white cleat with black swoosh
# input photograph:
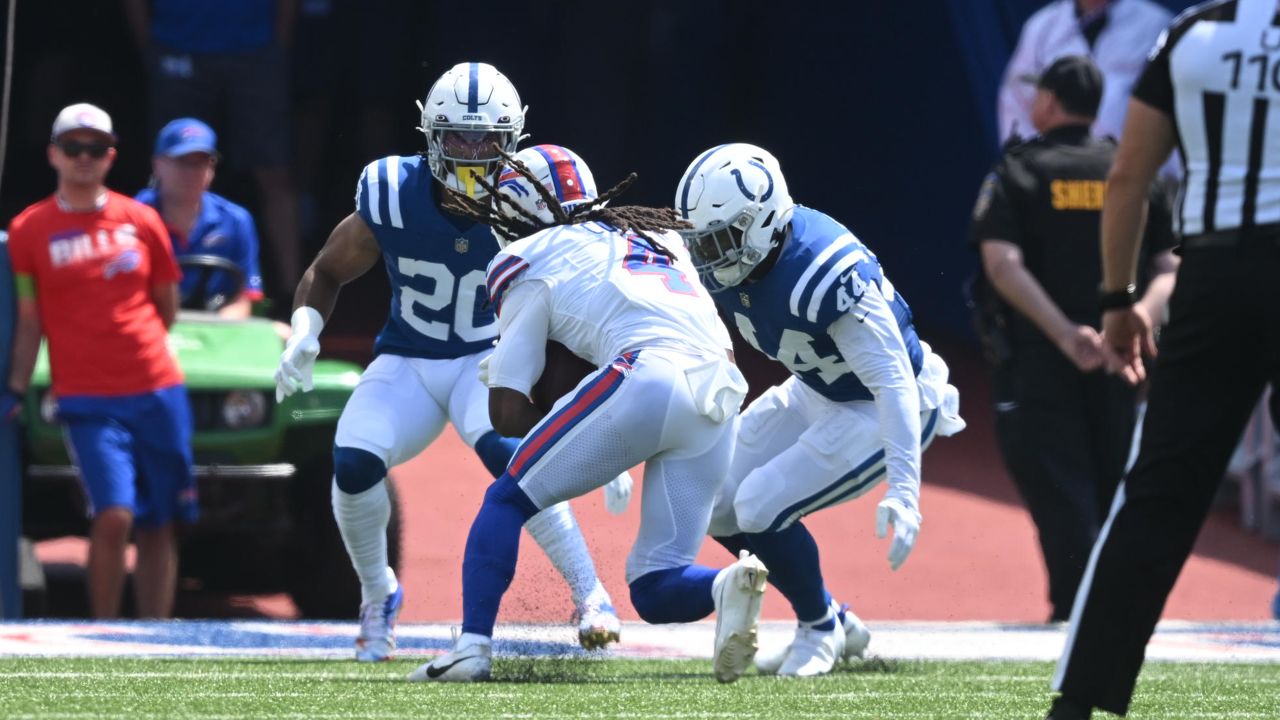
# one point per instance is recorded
(465, 663)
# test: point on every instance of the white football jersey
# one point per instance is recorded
(611, 292)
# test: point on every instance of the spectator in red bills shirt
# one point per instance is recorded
(201, 222)
(95, 274)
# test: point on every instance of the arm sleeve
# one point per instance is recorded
(995, 216)
(873, 347)
(521, 354)
(248, 259)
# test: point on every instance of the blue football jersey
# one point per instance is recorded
(821, 274)
(435, 262)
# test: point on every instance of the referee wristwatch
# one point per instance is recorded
(1121, 299)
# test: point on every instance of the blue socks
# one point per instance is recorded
(674, 595)
(794, 569)
(492, 549)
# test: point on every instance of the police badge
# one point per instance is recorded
(462, 244)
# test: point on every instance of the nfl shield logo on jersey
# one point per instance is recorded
(461, 244)
(745, 298)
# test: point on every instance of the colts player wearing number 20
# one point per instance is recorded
(864, 398)
(439, 329)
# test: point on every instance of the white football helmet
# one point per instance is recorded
(468, 110)
(737, 199)
(560, 170)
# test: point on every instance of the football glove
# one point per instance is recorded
(906, 525)
(299, 356)
(617, 494)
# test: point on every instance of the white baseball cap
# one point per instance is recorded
(82, 116)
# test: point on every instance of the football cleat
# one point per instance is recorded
(462, 664)
(598, 625)
(738, 591)
(377, 639)
(768, 662)
(856, 639)
(813, 652)
(856, 634)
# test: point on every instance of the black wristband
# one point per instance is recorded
(1118, 299)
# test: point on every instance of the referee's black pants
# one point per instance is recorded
(1216, 356)
(1065, 436)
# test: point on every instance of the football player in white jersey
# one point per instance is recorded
(615, 287)
(438, 331)
(865, 395)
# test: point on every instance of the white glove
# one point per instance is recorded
(906, 525)
(299, 356)
(617, 494)
(483, 370)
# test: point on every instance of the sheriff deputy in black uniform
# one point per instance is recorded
(1210, 87)
(1064, 424)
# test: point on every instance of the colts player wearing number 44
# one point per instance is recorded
(439, 329)
(864, 398)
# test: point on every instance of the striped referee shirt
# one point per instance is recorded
(1216, 73)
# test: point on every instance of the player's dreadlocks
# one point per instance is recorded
(521, 223)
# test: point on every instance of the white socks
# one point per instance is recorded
(557, 533)
(362, 518)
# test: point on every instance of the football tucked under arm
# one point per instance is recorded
(560, 375)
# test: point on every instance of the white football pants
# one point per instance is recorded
(638, 409)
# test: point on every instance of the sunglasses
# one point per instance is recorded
(73, 148)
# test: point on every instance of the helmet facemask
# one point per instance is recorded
(470, 113)
(721, 253)
(460, 154)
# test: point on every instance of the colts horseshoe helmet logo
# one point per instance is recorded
(737, 175)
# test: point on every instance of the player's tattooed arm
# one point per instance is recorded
(350, 252)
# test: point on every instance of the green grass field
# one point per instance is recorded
(549, 688)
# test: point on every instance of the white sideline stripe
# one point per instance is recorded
(1252, 642)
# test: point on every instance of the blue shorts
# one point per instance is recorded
(134, 452)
